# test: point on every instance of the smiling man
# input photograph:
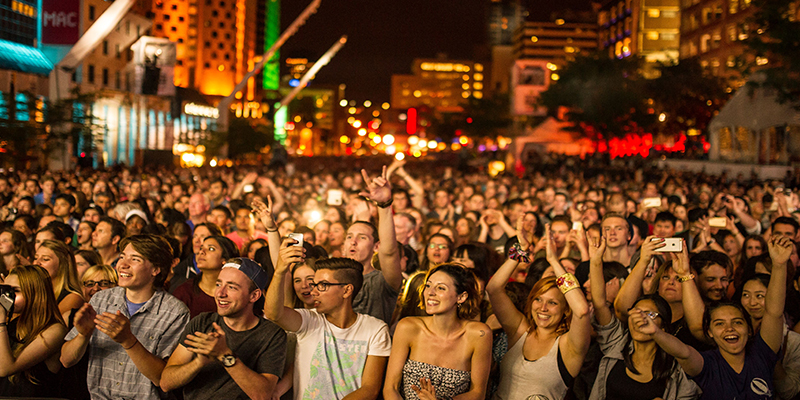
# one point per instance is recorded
(130, 329)
(340, 353)
(232, 353)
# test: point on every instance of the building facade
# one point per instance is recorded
(444, 85)
(557, 41)
(645, 28)
(713, 30)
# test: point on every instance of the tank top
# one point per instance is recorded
(447, 382)
(524, 379)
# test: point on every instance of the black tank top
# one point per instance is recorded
(621, 386)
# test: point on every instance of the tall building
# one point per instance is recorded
(504, 17)
(23, 67)
(712, 30)
(444, 85)
(556, 41)
(645, 28)
(216, 42)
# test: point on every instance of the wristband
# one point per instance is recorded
(567, 282)
(685, 278)
(517, 254)
(135, 342)
(385, 204)
(272, 230)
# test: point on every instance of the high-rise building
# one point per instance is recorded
(504, 17)
(712, 30)
(645, 28)
(556, 41)
(216, 42)
(437, 83)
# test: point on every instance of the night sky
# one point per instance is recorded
(384, 36)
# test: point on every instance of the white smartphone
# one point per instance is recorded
(651, 202)
(671, 245)
(335, 197)
(298, 237)
(576, 226)
(248, 188)
(717, 222)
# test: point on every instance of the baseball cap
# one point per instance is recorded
(251, 269)
(138, 213)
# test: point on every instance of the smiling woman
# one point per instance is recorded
(198, 292)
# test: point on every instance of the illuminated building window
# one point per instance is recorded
(652, 35)
(669, 14)
(669, 36)
(477, 77)
(653, 13)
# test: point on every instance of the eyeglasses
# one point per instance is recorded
(324, 286)
(437, 246)
(103, 284)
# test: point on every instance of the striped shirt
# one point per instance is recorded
(158, 325)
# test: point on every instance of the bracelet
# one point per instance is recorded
(384, 204)
(685, 278)
(517, 254)
(567, 282)
(134, 344)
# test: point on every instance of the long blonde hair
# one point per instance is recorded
(66, 278)
(40, 310)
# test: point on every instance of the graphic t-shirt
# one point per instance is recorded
(330, 361)
(719, 381)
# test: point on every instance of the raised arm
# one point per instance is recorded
(632, 287)
(248, 179)
(401, 346)
(693, 305)
(690, 360)
(40, 349)
(274, 309)
(780, 249)
(73, 350)
(275, 193)
(264, 213)
(416, 189)
(380, 191)
(602, 312)
(579, 334)
(510, 318)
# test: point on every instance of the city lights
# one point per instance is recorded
(385, 106)
(376, 139)
(343, 103)
(344, 139)
(367, 104)
(388, 139)
(356, 124)
(421, 143)
(662, 117)
(432, 144)
(399, 156)
(362, 132)
(412, 140)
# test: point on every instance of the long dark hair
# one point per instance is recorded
(663, 363)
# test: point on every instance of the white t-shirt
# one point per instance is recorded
(329, 360)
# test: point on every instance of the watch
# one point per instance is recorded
(228, 360)
(685, 278)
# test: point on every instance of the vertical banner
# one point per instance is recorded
(61, 21)
(528, 79)
(154, 66)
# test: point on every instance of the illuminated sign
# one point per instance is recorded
(200, 110)
(444, 67)
(60, 21)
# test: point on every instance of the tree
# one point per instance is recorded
(687, 95)
(602, 94)
(776, 37)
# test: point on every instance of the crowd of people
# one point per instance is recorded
(349, 279)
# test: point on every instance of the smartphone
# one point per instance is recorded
(248, 188)
(576, 226)
(335, 197)
(671, 245)
(717, 222)
(7, 299)
(298, 237)
(651, 202)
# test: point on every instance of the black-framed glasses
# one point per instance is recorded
(103, 284)
(439, 246)
(324, 286)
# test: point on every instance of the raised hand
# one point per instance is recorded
(117, 327)
(378, 189)
(264, 213)
(642, 322)
(84, 320)
(290, 254)
(649, 246)
(550, 247)
(212, 345)
(596, 249)
(524, 237)
(680, 264)
(780, 249)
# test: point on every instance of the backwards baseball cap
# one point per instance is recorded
(251, 269)
(138, 213)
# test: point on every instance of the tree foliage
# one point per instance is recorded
(776, 37)
(604, 94)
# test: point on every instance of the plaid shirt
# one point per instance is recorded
(158, 325)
